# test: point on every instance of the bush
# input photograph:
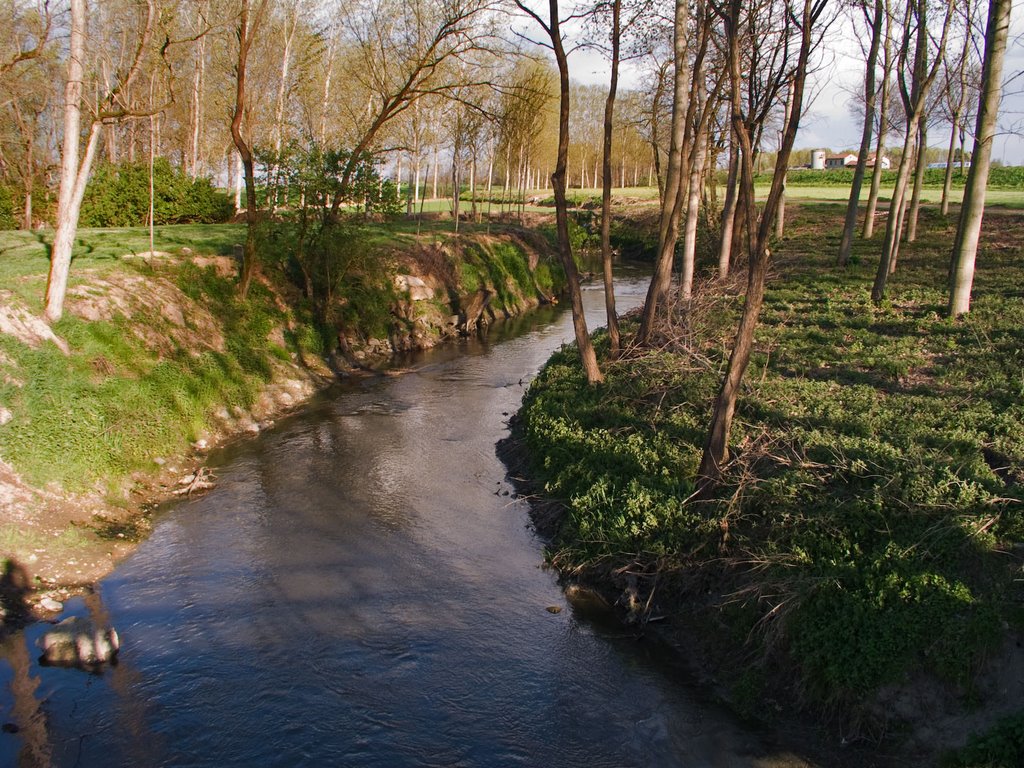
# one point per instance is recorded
(7, 217)
(118, 196)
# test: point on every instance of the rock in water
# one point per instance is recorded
(76, 642)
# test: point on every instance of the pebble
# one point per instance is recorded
(49, 604)
(5, 415)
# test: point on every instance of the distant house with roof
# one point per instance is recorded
(822, 161)
(840, 161)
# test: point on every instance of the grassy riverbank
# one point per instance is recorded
(157, 358)
(864, 552)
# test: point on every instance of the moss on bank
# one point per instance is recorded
(869, 528)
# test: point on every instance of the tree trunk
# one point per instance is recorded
(922, 165)
(965, 247)
(606, 191)
(947, 178)
(850, 224)
(716, 447)
(246, 32)
(668, 227)
(558, 179)
(883, 118)
(729, 210)
(196, 113)
(72, 181)
(780, 215)
(915, 104)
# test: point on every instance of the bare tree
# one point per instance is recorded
(965, 247)
(883, 128)
(960, 85)
(915, 99)
(801, 22)
(74, 173)
(672, 200)
(552, 27)
(875, 23)
(248, 24)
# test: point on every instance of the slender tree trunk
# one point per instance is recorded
(290, 26)
(729, 210)
(922, 165)
(606, 191)
(72, 178)
(246, 31)
(558, 182)
(716, 447)
(331, 45)
(196, 113)
(672, 202)
(947, 178)
(850, 224)
(780, 215)
(965, 248)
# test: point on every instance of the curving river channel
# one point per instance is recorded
(362, 589)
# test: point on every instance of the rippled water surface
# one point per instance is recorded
(360, 589)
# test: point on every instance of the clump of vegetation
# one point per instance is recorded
(1000, 747)
(7, 215)
(114, 404)
(862, 530)
(118, 196)
(999, 177)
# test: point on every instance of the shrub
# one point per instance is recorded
(118, 196)
(7, 217)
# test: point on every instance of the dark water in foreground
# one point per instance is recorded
(361, 590)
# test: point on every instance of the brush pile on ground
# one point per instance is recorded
(868, 531)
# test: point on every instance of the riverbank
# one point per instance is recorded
(156, 361)
(862, 559)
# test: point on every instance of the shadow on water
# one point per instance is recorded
(24, 723)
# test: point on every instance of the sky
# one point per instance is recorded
(828, 124)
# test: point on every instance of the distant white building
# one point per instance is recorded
(831, 162)
(840, 161)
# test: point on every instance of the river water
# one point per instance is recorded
(362, 589)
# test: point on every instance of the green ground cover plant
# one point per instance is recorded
(865, 528)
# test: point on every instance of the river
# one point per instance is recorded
(362, 588)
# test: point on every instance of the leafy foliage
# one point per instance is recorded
(1000, 747)
(118, 196)
(999, 178)
(8, 219)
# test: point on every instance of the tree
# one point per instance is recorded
(915, 98)
(606, 181)
(672, 200)
(960, 86)
(965, 247)
(875, 22)
(780, 71)
(883, 128)
(558, 181)
(248, 25)
(74, 173)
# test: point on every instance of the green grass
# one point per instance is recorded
(114, 404)
(879, 472)
(117, 402)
